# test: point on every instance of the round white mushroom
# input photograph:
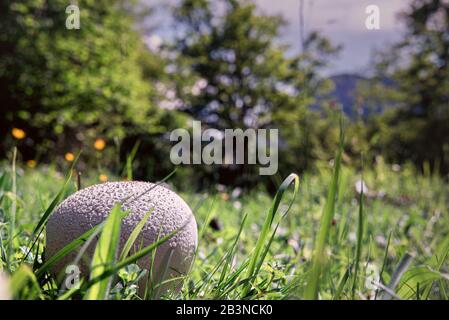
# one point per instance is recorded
(90, 206)
(4, 287)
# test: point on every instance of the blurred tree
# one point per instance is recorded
(66, 87)
(417, 129)
(238, 76)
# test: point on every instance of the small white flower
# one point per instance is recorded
(360, 185)
(372, 276)
(236, 192)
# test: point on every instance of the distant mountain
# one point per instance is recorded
(345, 89)
(345, 92)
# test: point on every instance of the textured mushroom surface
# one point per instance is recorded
(4, 287)
(90, 206)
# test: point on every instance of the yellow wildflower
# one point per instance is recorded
(69, 157)
(31, 163)
(99, 144)
(18, 133)
(225, 196)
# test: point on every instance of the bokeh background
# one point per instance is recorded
(135, 70)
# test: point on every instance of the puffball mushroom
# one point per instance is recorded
(4, 287)
(90, 206)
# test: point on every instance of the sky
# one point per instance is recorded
(342, 21)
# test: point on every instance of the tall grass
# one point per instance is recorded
(258, 256)
(358, 251)
(105, 254)
(317, 245)
(319, 257)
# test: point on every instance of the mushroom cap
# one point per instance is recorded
(90, 206)
(4, 287)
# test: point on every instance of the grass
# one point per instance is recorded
(319, 238)
(319, 258)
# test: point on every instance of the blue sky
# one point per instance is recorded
(343, 21)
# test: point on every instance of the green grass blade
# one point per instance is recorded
(319, 257)
(57, 199)
(227, 258)
(133, 258)
(2, 182)
(266, 249)
(13, 213)
(384, 264)
(342, 283)
(424, 275)
(133, 197)
(21, 279)
(404, 264)
(44, 219)
(66, 250)
(438, 261)
(105, 253)
(69, 293)
(400, 270)
(134, 234)
(207, 220)
(129, 161)
(415, 282)
(358, 251)
(255, 257)
(230, 254)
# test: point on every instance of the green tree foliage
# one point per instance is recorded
(417, 128)
(238, 76)
(65, 87)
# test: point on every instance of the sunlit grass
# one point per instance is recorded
(401, 232)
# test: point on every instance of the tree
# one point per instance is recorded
(239, 77)
(417, 126)
(64, 87)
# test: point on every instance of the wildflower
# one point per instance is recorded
(360, 187)
(372, 275)
(225, 196)
(99, 144)
(17, 133)
(31, 163)
(103, 177)
(236, 192)
(69, 157)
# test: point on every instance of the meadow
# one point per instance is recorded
(338, 240)
(122, 84)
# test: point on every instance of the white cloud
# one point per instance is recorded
(343, 21)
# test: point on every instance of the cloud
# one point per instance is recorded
(343, 21)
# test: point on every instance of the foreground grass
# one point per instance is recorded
(395, 246)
